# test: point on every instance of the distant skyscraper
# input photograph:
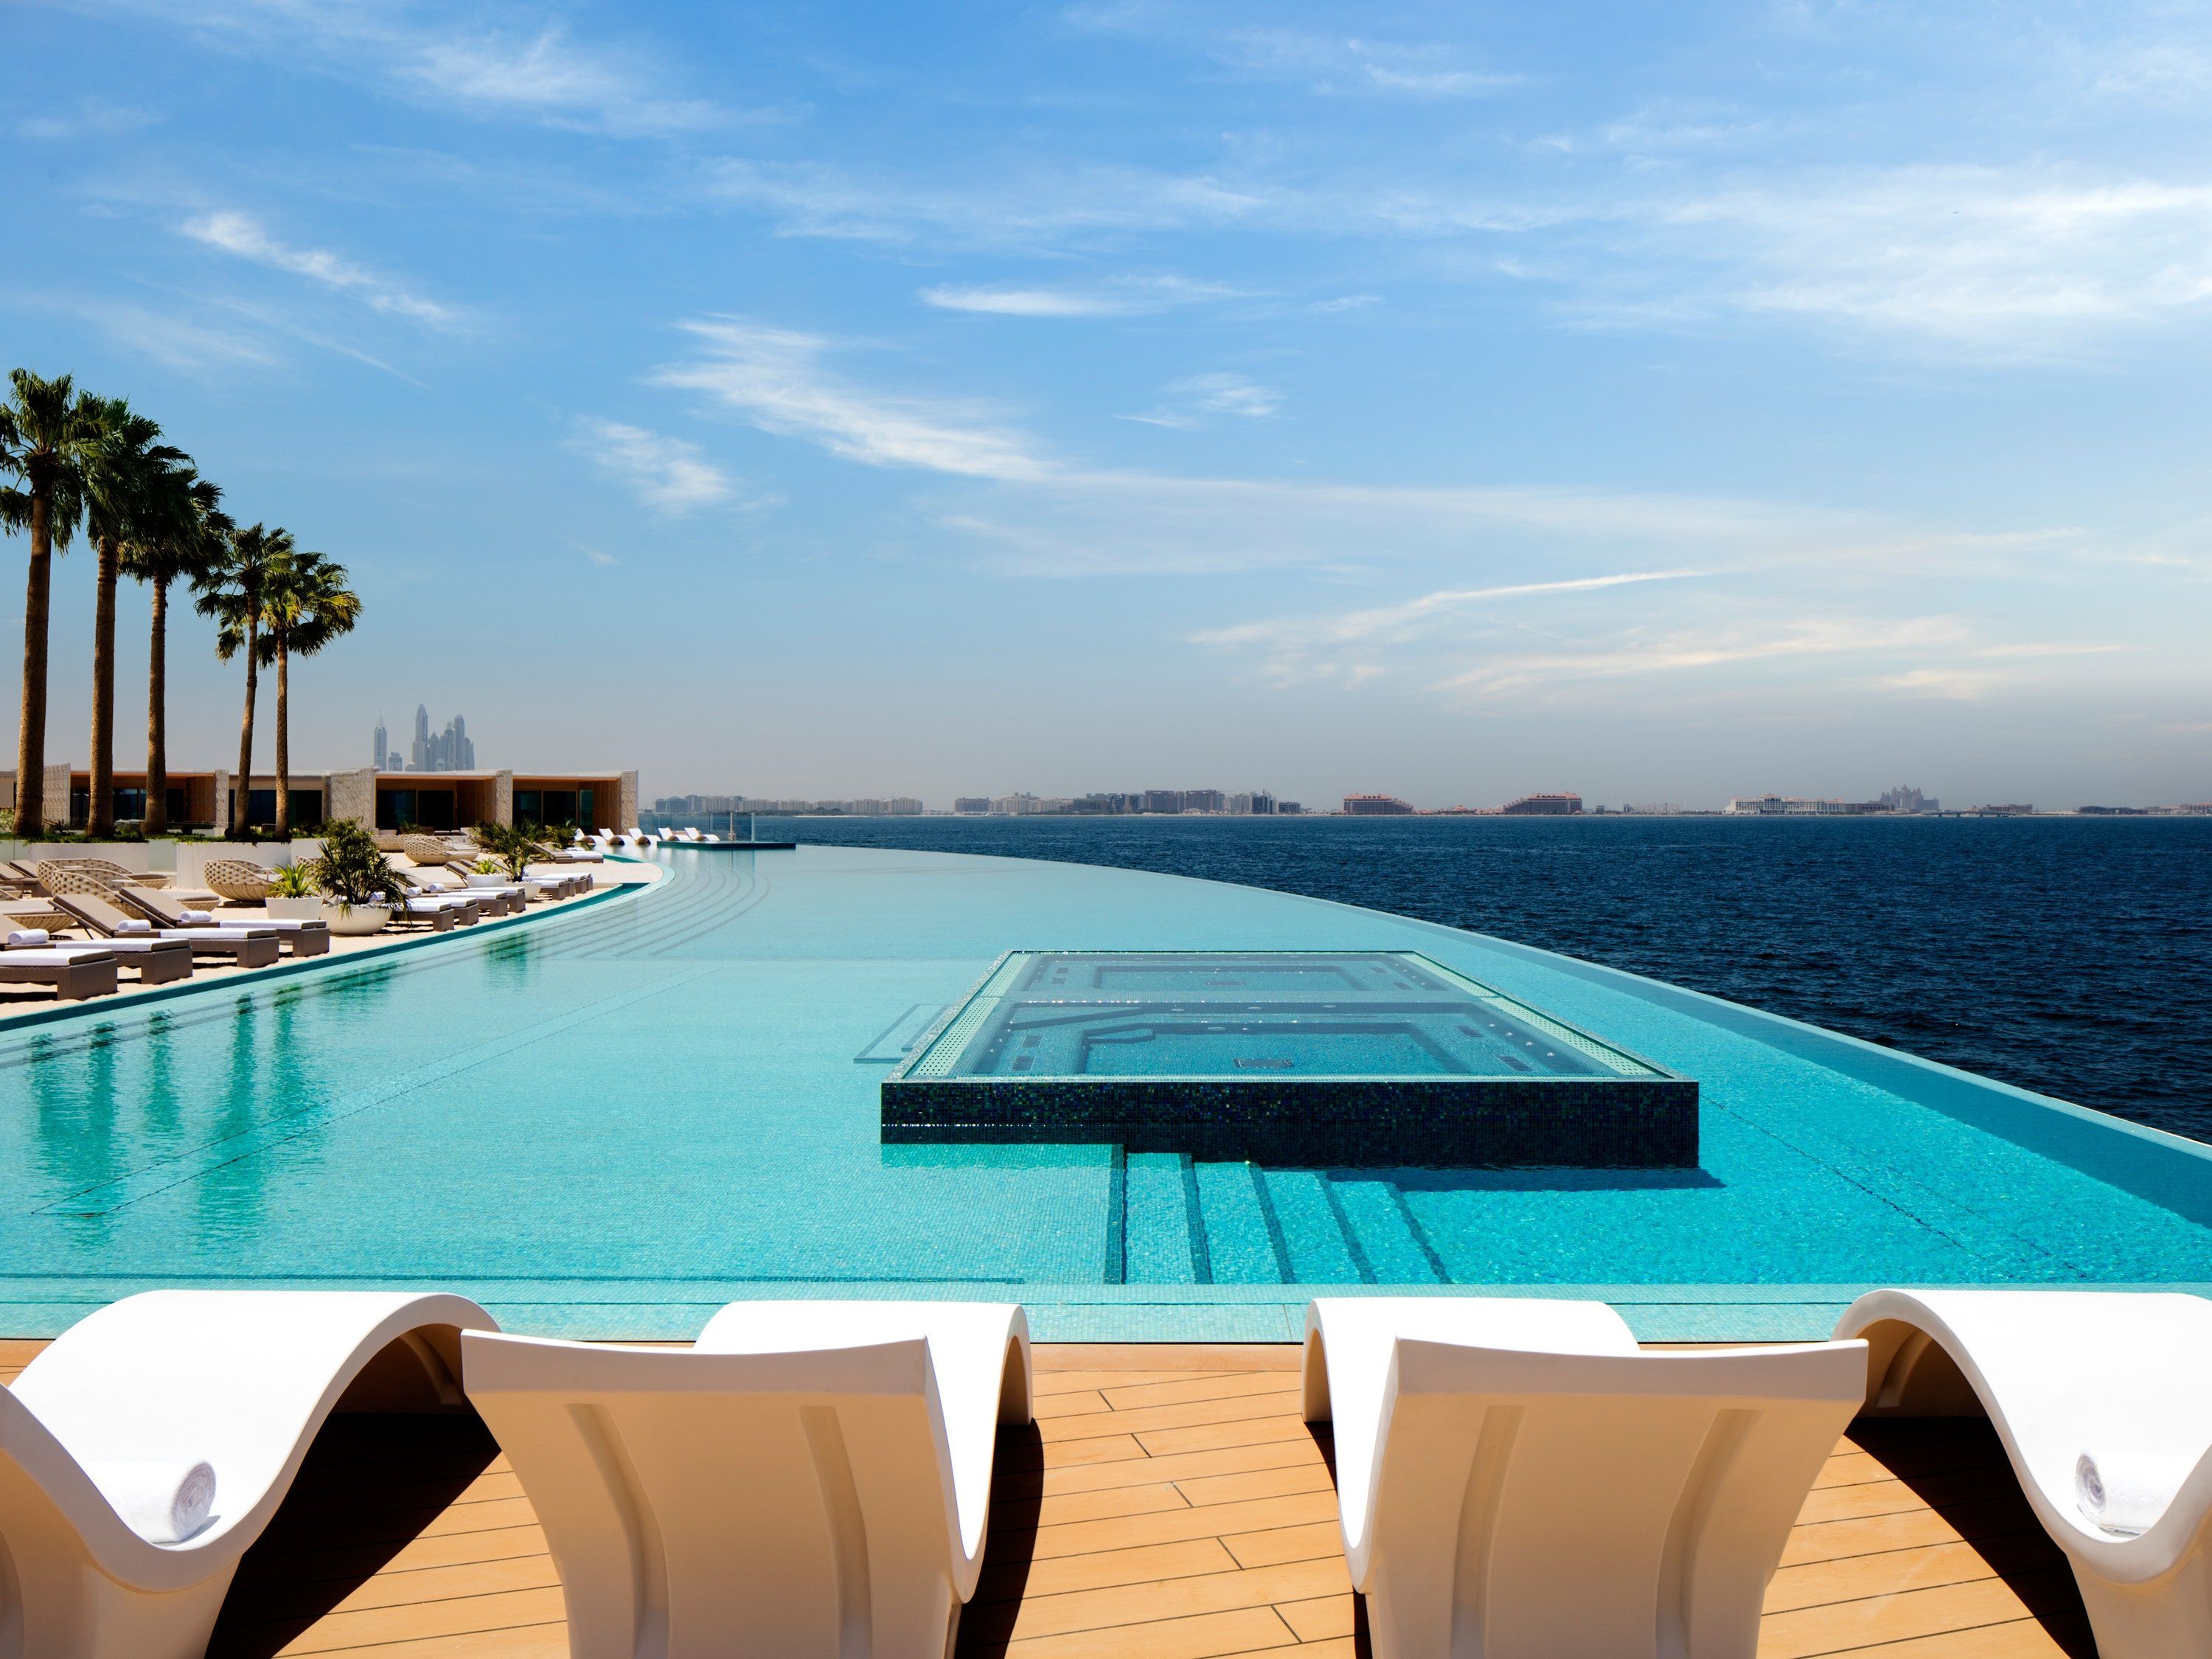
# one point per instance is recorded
(383, 748)
(450, 751)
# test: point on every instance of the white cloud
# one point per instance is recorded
(1120, 296)
(247, 238)
(88, 117)
(1012, 208)
(2022, 261)
(667, 474)
(1394, 623)
(513, 66)
(1330, 64)
(1191, 400)
(778, 379)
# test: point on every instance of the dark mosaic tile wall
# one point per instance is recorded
(1607, 1123)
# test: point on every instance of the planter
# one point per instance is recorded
(309, 908)
(497, 879)
(354, 921)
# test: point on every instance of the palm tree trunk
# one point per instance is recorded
(283, 741)
(241, 791)
(31, 734)
(157, 716)
(99, 819)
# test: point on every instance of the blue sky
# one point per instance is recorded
(1455, 400)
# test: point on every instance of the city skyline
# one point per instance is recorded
(449, 750)
(1674, 401)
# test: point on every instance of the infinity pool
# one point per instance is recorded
(1282, 1057)
(611, 1121)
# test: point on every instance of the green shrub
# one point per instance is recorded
(295, 881)
(352, 869)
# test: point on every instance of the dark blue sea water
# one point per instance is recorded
(2071, 956)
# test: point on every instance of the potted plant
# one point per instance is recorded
(487, 872)
(511, 847)
(356, 884)
(294, 894)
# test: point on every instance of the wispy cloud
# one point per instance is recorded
(1037, 206)
(1120, 296)
(1335, 65)
(484, 65)
(88, 118)
(667, 474)
(781, 381)
(1188, 401)
(243, 235)
(2020, 261)
(165, 334)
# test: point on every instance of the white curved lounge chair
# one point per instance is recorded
(241, 1380)
(1515, 1478)
(812, 1479)
(2112, 1374)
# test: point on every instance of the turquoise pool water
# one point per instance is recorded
(611, 1121)
(1232, 1014)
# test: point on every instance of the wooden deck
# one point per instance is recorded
(1169, 1503)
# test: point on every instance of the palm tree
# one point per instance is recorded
(129, 484)
(232, 595)
(180, 544)
(46, 437)
(305, 604)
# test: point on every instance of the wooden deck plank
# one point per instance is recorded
(1169, 1504)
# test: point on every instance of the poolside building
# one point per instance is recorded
(590, 798)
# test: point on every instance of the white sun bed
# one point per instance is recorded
(1515, 1478)
(108, 1419)
(2124, 1378)
(74, 975)
(813, 1478)
(157, 960)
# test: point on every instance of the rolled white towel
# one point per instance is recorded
(24, 937)
(2126, 1491)
(163, 1500)
(136, 927)
(195, 918)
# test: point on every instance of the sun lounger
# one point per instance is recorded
(108, 1437)
(250, 947)
(480, 901)
(158, 961)
(813, 1478)
(425, 901)
(1515, 1478)
(550, 886)
(2120, 1379)
(74, 975)
(305, 937)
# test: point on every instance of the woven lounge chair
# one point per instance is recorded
(1516, 1479)
(2119, 1380)
(115, 1438)
(302, 937)
(74, 975)
(156, 961)
(240, 880)
(108, 871)
(249, 947)
(811, 1479)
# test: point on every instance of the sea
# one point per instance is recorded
(2072, 955)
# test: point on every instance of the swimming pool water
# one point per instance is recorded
(1231, 1014)
(609, 1122)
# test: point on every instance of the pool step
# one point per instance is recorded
(1186, 1223)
